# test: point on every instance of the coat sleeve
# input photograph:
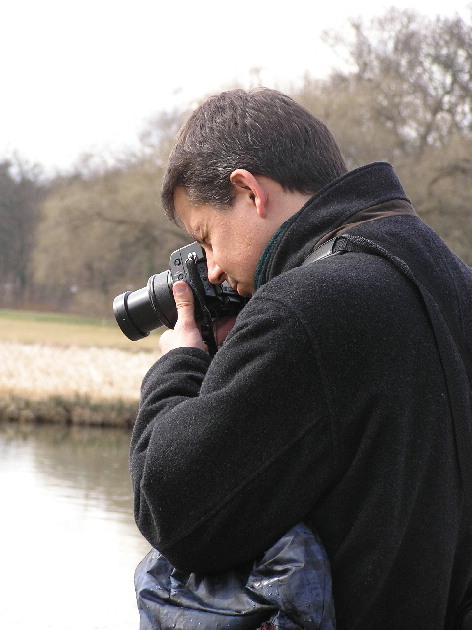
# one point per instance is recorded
(227, 455)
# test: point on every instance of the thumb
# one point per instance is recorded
(183, 297)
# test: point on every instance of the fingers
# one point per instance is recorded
(186, 333)
(183, 297)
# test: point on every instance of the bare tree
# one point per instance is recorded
(406, 97)
(21, 192)
(418, 73)
(101, 235)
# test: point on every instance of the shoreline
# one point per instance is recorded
(71, 385)
(73, 411)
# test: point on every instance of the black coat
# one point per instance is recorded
(327, 403)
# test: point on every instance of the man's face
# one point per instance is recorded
(233, 238)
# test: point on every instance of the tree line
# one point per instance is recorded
(75, 241)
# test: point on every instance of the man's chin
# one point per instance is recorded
(243, 292)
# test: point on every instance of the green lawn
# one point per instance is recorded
(67, 330)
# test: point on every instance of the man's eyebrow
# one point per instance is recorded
(193, 233)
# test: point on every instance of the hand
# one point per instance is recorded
(222, 327)
(186, 333)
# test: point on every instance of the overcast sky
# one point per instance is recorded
(85, 76)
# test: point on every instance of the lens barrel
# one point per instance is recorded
(139, 312)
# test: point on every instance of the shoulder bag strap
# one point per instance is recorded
(453, 362)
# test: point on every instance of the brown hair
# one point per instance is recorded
(262, 131)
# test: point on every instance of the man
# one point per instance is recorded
(327, 402)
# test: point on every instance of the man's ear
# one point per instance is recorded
(246, 183)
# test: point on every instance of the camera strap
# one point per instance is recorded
(206, 328)
(456, 364)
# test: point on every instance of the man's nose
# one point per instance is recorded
(215, 274)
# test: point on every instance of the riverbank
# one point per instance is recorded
(71, 384)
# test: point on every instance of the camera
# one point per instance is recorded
(140, 312)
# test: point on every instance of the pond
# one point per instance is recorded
(68, 544)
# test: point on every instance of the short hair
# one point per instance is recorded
(260, 130)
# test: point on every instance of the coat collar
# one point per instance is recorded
(333, 205)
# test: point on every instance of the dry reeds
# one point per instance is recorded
(73, 384)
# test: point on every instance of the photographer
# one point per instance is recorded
(328, 401)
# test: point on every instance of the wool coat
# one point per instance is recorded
(327, 404)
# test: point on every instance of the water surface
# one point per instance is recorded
(68, 543)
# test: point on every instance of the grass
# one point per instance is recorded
(69, 369)
(67, 330)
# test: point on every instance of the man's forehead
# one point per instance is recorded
(181, 199)
(188, 214)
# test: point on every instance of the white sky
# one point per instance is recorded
(85, 76)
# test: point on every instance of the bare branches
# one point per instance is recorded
(419, 75)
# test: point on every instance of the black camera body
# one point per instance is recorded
(140, 312)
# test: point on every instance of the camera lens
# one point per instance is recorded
(134, 314)
(139, 312)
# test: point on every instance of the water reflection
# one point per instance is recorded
(69, 545)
